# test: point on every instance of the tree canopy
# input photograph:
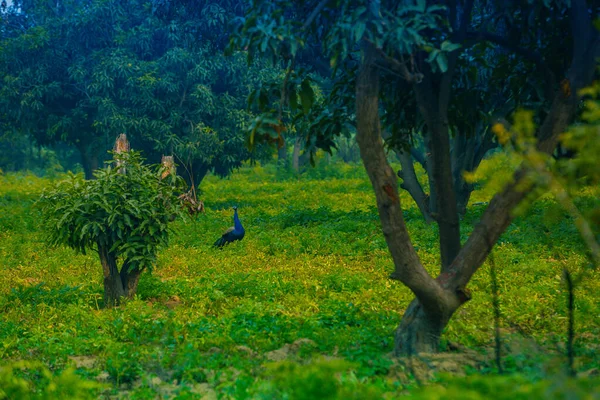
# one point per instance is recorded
(81, 73)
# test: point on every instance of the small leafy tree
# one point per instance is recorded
(123, 215)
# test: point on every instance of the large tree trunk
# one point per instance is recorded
(419, 331)
(437, 303)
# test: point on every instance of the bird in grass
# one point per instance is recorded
(236, 232)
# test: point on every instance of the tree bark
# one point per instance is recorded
(440, 173)
(113, 285)
(419, 332)
(436, 303)
(411, 184)
(130, 279)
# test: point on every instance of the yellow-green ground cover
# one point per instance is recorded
(301, 308)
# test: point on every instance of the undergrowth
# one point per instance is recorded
(302, 308)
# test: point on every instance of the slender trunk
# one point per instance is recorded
(440, 173)
(113, 286)
(433, 198)
(411, 184)
(296, 154)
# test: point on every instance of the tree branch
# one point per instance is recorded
(411, 184)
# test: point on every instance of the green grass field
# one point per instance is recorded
(301, 308)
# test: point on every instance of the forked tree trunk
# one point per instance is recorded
(117, 285)
(438, 299)
(113, 286)
(436, 302)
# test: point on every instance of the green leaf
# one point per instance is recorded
(359, 30)
(449, 46)
(442, 62)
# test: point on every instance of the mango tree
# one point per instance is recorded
(123, 215)
(372, 43)
(82, 72)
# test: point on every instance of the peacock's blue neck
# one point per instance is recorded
(237, 224)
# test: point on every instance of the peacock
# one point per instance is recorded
(236, 232)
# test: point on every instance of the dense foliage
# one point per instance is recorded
(81, 73)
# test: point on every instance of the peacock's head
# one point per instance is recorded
(234, 208)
